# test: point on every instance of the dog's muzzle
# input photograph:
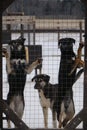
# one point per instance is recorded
(37, 86)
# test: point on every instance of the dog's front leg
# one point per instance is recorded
(60, 120)
(8, 64)
(9, 70)
(54, 118)
(30, 68)
(62, 114)
(6, 53)
(45, 113)
(9, 124)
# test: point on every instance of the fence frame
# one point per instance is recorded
(81, 116)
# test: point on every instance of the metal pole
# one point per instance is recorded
(58, 34)
(22, 27)
(29, 34)
(34, 33)
(80, 25)
(85, 72)
(0, 69)
(34, 42)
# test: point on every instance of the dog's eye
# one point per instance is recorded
(35, 80)
(38, 80)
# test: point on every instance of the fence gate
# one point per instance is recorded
(42, 34)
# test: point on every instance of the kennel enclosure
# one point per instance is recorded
(81, 116)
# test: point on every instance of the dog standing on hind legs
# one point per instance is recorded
(68, 75)
(65, 107)
(17, 69)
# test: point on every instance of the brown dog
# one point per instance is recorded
(47, 95)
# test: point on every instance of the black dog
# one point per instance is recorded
(47, 94)
(64, 103)
(17, 68)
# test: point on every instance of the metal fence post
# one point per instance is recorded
(85, 73)
(0, 68)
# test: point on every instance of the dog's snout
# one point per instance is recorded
(37, 86)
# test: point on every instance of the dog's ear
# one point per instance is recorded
(46, 78)
(72, 40)
(35, 77)
(63, 40)
(60, 41)
(21, 40)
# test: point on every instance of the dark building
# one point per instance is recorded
(73, 8)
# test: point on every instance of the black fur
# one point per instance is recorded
(17, 69)
(17, 78)
(65, 80)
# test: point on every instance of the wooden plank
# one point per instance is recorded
(55, 23)
(12, 116)
(44, 23)
(76, 120)
(47, 31)
(18, 19)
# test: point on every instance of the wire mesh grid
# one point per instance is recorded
(33, 114)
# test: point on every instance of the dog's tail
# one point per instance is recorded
(78, 75)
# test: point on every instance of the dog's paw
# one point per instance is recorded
(81, 44)
(4, 52)
(39, 61)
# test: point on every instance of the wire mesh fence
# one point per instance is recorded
(46, 33)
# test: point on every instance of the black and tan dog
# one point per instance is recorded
(65, 107)
(47, 95)
(17, 68)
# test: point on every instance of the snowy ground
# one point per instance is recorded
(33, 115)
